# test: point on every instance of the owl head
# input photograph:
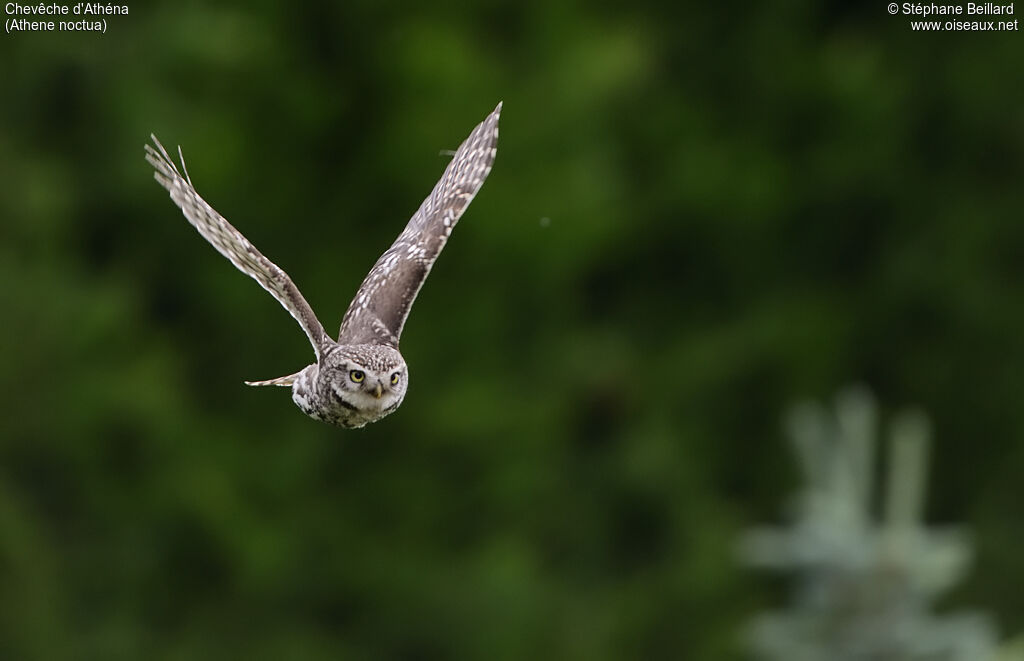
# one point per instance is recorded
(368, 381)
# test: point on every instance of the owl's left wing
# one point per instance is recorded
(381, 306)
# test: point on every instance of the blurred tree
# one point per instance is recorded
(864, 588)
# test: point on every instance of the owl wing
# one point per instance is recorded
(381, 306)
(229, 242)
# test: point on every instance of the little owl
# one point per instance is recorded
(361, 377)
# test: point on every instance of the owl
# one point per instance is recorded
(361, 377)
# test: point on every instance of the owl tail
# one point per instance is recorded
(279, 381)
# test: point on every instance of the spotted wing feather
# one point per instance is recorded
(229, 242)
(378, 312)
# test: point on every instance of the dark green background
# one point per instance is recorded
(745, 206)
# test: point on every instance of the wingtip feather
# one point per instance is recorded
(284, 381)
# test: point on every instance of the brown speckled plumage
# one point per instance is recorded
(362, 377)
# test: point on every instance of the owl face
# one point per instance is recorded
(364, 382)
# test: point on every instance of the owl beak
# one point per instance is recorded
(377, 391)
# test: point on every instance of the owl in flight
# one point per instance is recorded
(361, 377)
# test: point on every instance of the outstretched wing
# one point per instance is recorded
(229, 242)
(381, 306)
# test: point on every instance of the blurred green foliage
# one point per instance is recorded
(698, 214)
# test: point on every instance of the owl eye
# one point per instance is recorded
(357, 375)
(394, 378)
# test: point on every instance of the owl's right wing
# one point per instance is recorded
(229, 242)
(378, 312)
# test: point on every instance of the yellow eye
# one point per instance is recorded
(394, 378)
(357, 375)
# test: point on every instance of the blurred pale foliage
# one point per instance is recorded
(697, 215)
(866, 585)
